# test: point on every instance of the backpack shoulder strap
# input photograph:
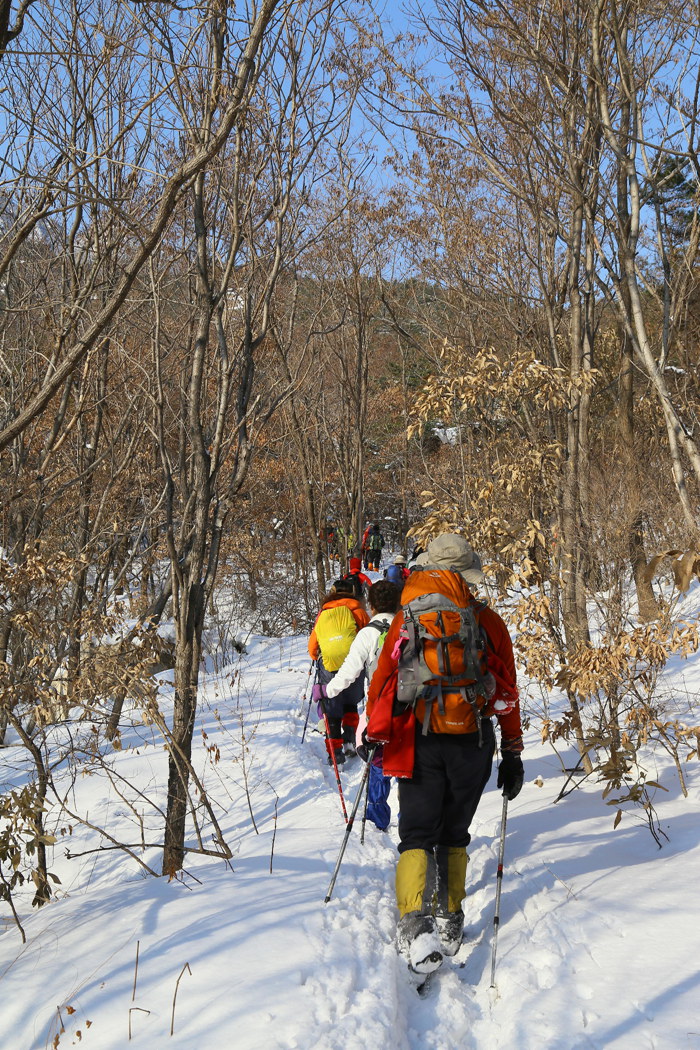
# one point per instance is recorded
(477, 606)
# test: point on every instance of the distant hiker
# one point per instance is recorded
(344, 542)
(397, 572)
(363, 550)
(328, 537)
(438, 737)
(360, 582)
(332, 542)
(337, 624)
(375, 542)
(384, 599)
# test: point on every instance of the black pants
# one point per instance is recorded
(437, 805)
(337, 708)
(373, 558)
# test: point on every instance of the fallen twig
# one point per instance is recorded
(177, 985)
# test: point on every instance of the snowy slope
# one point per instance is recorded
(598, 945)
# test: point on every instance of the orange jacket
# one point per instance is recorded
(358, 611)
(396, 731)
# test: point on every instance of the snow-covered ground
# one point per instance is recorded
(598, 944)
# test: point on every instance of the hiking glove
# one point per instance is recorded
(318, 693)
(365, 747)
(511, 775)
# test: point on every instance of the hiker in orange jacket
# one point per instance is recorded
(340, 618)
(443, 765)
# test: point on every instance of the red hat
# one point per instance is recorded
(355, 564)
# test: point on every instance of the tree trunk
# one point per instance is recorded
(187, 661)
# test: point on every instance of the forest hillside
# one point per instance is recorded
(271, 274)
(596, 948)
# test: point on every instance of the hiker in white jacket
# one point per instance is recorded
(384, 600)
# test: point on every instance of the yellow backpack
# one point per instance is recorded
(335, 631)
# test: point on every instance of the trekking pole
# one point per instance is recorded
(331, 752)
(499, 882)
(311, 696)
(370, 756)
(363, 784)
(306, 686)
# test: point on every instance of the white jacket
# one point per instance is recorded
(361, 654)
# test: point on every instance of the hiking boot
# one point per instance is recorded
(450, 928)
(418, 942)
(339, 758)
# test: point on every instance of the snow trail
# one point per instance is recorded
(596, 948)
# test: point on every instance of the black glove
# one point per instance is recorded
(365, 747)
(511, 775)
(369, 748)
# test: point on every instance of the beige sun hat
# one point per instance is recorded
(451, 551)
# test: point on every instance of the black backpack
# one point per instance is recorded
(357, 588)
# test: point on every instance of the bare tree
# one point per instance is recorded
(50, 179)
(241, 226)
